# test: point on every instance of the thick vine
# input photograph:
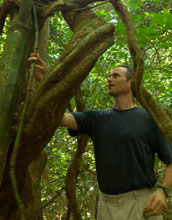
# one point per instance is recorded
(21, 124)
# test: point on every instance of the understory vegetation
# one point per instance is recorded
(152, 20)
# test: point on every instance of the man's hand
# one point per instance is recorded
(156, 203)
(40, 68)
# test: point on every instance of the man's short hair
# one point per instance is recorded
(130, 71)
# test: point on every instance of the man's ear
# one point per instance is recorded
(129, 82)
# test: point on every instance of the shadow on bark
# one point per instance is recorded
(91, 37)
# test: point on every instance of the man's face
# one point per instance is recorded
(117, 82)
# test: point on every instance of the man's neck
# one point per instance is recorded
(121, 103)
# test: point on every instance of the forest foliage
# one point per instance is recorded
(153, 22)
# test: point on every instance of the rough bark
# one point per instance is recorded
(42, 49)
(63, 5)
(91, 37)
(57, 6)
(35, 169)
(71, 178)
(157, 112)
(73, 170)
(12, 71)
(30, 191)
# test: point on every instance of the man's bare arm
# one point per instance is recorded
(167, 180)
(69, 121)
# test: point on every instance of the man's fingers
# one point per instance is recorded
(153, 210)
(39, 67)
(157, 211)
(31, 59)
(39, 76)
(35, 58)
(149, 203)
(32, 55)
(156, 204)
(39, 72)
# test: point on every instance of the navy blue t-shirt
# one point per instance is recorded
(125, 143)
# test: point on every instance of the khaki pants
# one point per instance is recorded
(126, 206)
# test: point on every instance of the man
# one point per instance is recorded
(125, 141)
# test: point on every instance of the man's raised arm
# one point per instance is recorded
(69, 121)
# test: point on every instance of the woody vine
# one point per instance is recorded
(92, 35)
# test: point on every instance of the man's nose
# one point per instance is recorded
(109, 79)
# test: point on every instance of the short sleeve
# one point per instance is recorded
(163, 147)
(84, 121)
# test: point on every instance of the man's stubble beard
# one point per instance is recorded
(116, 94)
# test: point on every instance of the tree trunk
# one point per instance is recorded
(12, 69)
(30, 191)
(91, 37)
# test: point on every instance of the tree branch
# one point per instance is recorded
(11, 81)
(134, 48)
(88, 8)
(79, 101)
(87, 2)
(92, 35)
(73, 170)
(57, 6)
(58, 193)
(90, 171)
(71, 68)
(17, 41)
(68, 6)
(21, 124)
(159, 115)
